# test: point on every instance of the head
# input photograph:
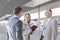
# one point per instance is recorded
(18, 11)
(48, 13)
(27, 18)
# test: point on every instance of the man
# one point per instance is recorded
(15, 25)
(50, 26)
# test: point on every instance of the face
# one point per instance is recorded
(20, 14)
(27, 18)
(48, 14)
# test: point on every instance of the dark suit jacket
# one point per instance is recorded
(19, 32)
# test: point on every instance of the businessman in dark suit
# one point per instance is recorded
(15, 25)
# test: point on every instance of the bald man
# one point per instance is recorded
(50, 26)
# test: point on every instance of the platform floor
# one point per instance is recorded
(34, 36)
(3, 35)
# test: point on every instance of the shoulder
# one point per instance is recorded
(13, 20)
(54, 20)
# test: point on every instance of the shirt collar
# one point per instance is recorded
(16, 16)
(49, 18)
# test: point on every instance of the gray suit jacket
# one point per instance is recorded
(15, 29)
(26, 31)
(50, 32)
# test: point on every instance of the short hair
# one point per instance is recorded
(27, 14)
(50, 10)
(17, 10)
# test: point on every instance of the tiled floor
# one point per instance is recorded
(3, 34)
(58, 37)
(37, 37)
(34, 36)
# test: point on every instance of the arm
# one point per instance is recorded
(54, 30)
(29, 30)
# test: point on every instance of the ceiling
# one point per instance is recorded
(7, 6)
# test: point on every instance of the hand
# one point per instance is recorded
(31, 32)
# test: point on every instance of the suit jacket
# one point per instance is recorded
(50, 32)
(26, 31)
(15, 29)
(26, 28)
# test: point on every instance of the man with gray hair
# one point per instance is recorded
(50, 26)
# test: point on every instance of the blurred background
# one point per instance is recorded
(36, 8)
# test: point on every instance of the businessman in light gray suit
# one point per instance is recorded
(50, 26)
(15, 25)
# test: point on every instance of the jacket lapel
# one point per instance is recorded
(47, 24)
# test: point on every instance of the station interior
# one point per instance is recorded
(36, 8)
